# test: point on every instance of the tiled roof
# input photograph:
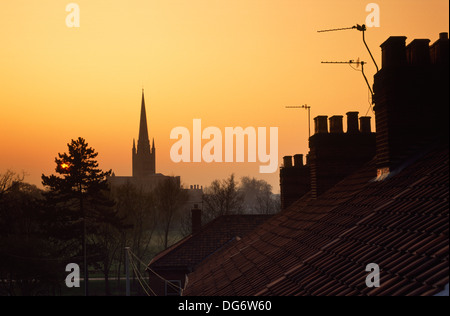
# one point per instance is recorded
(322, 246)
(217, 234)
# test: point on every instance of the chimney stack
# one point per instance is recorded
(365, 124)
(336, 124)
(411, 98)
(287, 161)
(294, 180)
(336, 154)
(352, 122)
(196, 219)
(298, 160)
(418, 52)
(321, 124)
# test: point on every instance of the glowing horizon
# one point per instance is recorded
(228, 63)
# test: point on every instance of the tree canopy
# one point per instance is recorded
(79, 196)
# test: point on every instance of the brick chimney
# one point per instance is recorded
(418, 52)
(287, 161)
(352, 122)
(439, 50)
(335, 155)
(393, 52)
(298, 160)
(294, 180)
(411, 98)
(196, 219)
(336, 124)
(365, 125)
(321, 124)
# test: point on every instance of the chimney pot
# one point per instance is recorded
(439, 50)
(418, 52)
(393, 51)
(365, 124)
(298, 160)
(287, 160)
(352, 122)
(321, 124)
(336, 124)
(196, 219)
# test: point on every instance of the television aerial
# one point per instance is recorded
(357, 63)
(361, 28)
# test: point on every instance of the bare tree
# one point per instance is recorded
(8, 180)
(107, 241)
(258, 196)
(222, 197)
(138, 208)
(169, 197)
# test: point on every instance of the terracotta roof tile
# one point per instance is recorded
(322, 247)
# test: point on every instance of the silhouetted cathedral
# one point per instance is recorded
(143, 157)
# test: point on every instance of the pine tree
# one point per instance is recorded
(82, 208)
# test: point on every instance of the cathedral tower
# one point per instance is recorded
(143, 157)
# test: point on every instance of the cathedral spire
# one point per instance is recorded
(143, 131)
(143, 156)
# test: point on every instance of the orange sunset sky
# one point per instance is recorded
(227, 62)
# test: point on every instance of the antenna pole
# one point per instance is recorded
(307, 107)
(309, 122)
(350, 63)
(370, 53)
(361, 28)
(365, 78)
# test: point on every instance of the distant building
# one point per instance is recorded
(144, 176)
(143, 159)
